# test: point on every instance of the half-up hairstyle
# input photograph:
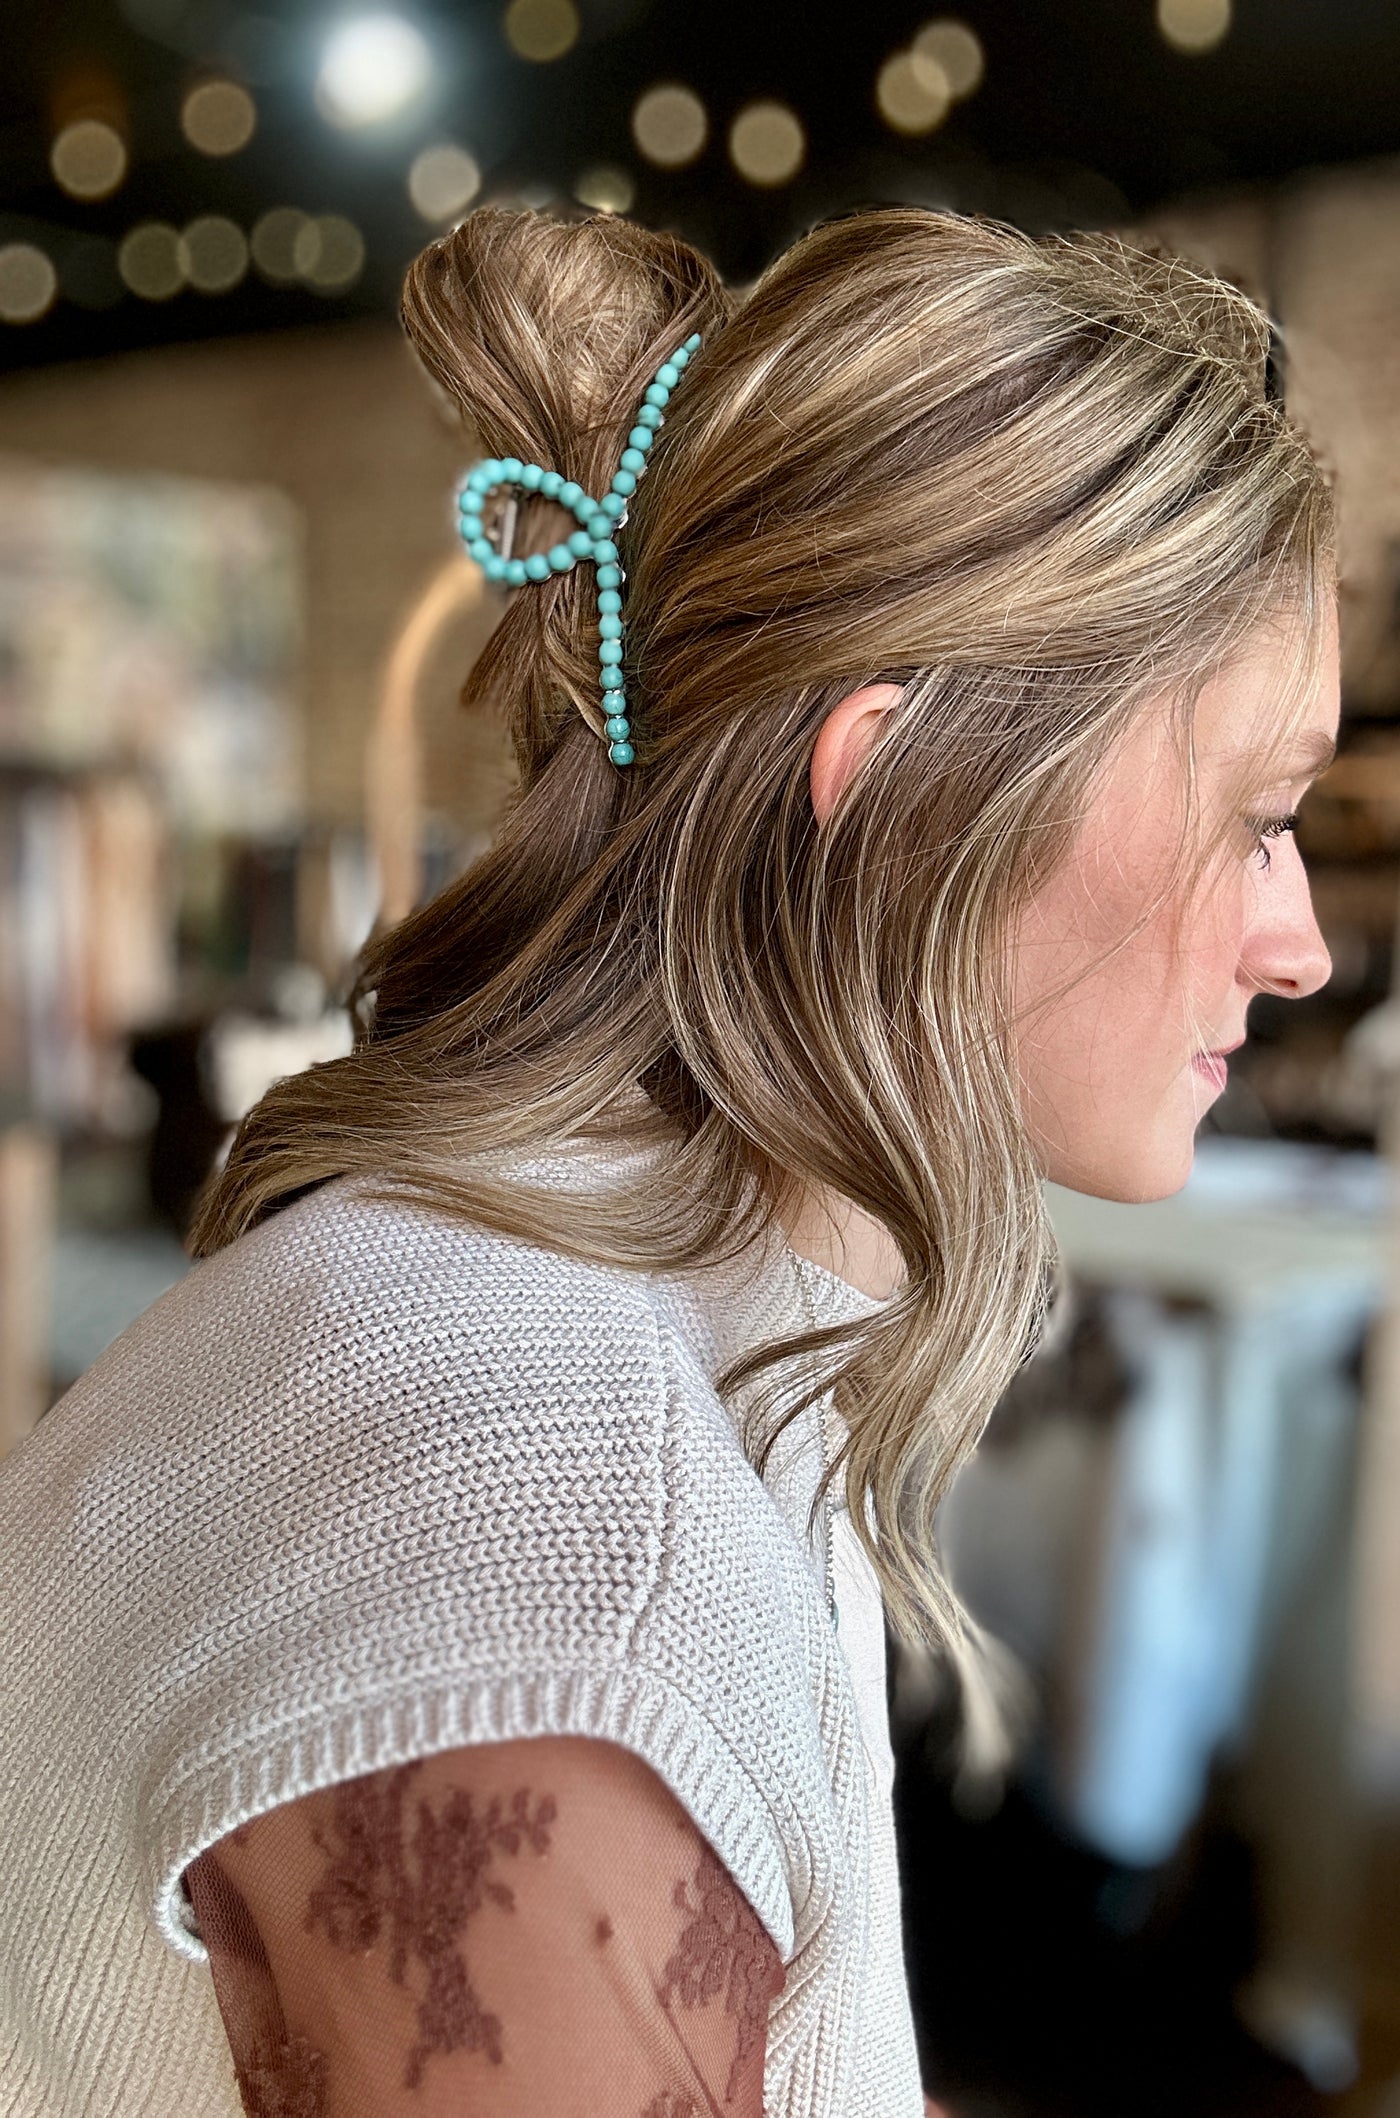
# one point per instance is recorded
(1038, 483)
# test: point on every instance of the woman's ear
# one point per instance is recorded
(843, 740)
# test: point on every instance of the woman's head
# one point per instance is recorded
(1126, 974)
(1037, 489)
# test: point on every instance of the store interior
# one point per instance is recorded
(233, 630)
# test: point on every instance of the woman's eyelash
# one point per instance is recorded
(1267, 827)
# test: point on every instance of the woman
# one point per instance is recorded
(457, 1608)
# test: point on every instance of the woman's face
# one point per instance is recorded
(1110, 1091)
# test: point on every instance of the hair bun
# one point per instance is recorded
(544, 331)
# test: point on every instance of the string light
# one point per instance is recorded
(218, 117)
(443, 181)
(670, 125)
(912, 92)
(371, 69)
(606, 188)
(28, 283)
(1193, 25)
(766, 143)
(956, 49)
(274, 243)
(213, 254)
(149, 261)
(328, 252)
(541, 29)
(88, 158)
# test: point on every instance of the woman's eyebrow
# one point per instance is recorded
(1316, 752)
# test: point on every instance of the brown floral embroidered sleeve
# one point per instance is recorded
(491, 1932)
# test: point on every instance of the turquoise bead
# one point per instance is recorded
(510, 469)
(470, 526)
(550, 484)
(650, 415)
(477, 480)
(617, 726)
(609, 599)
(613, 505)
(581, 544)
(668, 374)
(614, 699)
(621, 753)
(624, 482)
(600, 525)
(481, 550)
(680, 356)
(656, 393)
(569, 492)
(608, 576)
(494, 568)
(530, 476)
(515, 573)
(634, 460)
(609, 651)
(560, 558)
(604, 550)
(692, 342)
(537, 567)
(609, 626)
(640, 438)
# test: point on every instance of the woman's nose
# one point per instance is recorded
(1284, 950)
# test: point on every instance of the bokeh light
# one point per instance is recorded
(274, 243)
(443, 180)
(956, 49)
(541, 29)
(213, 253)
(218, 117)
(912, 92)
(767, 144)
(669, 124)
(372, 68)
(1193, 25)
(607, 188)
(328, 252)
(149, 261)
(88, 159)
(28, 283)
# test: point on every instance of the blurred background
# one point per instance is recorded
(233, 624)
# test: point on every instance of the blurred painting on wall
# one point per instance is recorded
(154, 622)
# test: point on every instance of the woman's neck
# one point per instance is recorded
(834, 1232)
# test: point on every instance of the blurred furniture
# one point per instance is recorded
(1178, 1565)
(1217, 1612)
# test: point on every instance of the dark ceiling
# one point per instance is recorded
(1085, 115)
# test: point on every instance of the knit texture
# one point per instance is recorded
(369, 1484)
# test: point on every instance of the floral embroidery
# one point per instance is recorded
(723, 1948)
(292, 2084)
(369, 1887)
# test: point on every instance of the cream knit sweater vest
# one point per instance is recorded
(369, 1484)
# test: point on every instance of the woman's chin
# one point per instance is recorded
(1145, 1169)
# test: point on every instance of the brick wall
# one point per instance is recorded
(344, 421)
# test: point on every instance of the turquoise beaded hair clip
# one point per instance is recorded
(599, 519)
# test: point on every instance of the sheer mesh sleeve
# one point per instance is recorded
(501, 1930)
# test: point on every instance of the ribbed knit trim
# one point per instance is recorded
(633, 1707)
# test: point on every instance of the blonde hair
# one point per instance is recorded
(1039, 483)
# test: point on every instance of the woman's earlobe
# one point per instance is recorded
(843, 739)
